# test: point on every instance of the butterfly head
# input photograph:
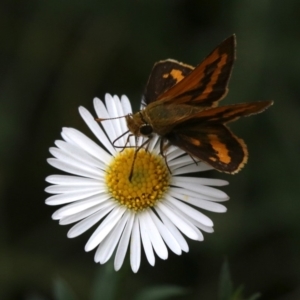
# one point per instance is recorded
(138, 126)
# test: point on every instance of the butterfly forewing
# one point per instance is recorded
(164, 75)
(207, 83)
(227, 113)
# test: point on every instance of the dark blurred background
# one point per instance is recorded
(58, 55)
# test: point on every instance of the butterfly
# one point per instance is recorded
(181, 106)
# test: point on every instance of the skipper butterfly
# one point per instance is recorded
(181, 106)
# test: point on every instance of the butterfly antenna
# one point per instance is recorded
(106, 119)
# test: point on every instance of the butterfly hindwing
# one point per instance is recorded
(204, 135)
(214, 144)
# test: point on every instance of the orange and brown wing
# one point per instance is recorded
(164, 75)
(214, 144)
(205, 136)
(207, 83)
(228, 113)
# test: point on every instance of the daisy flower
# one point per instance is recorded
(154, 210)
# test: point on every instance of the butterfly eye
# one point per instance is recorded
(146, 129)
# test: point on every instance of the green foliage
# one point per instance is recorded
(226, 290)
(105, 284)
(162, 292)
(225, 285)
(106, 287)
(62, 291)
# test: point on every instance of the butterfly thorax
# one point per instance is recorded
(137, 125)
(164, 118)
(159, 118)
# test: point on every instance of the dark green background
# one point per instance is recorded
(56, 55)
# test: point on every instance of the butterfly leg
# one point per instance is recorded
(196, 162)
(162, 149)
(127, 141)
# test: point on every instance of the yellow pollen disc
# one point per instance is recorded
(150, 179)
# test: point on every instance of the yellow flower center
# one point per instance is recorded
(149, 181)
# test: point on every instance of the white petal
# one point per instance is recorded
(96, 129)
(166, 234)
(72, 196)
(115, 109)
(198, 224)
(67, 138)
(188, 193)
(124, 241)
(75, 160)
(153, 143)
(79, 206)
(182, 217)
(107, 247)
(135, 247)
(180, 162)
(79, 154)
(200, 167)
(202, 181)
(112, 110)
(146, 239)
(173, 230)
(190, 211)
(143, 103)
(204, 204)
(154, 235)
(184, 227)
(203, 227)
(202, 189)
(79, 169)
(87, 144)
(126, 105)
(61, 189)
(65, 220)
(90, 221)
(173, 152)
(140, 141)
(105, 227)
(72, 180)
(102, 113)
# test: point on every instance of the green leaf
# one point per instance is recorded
(255, 296)
(105, 283)
(35, 297)
(161, 292)
(225, 284)
(238, 293)
(62, 290)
